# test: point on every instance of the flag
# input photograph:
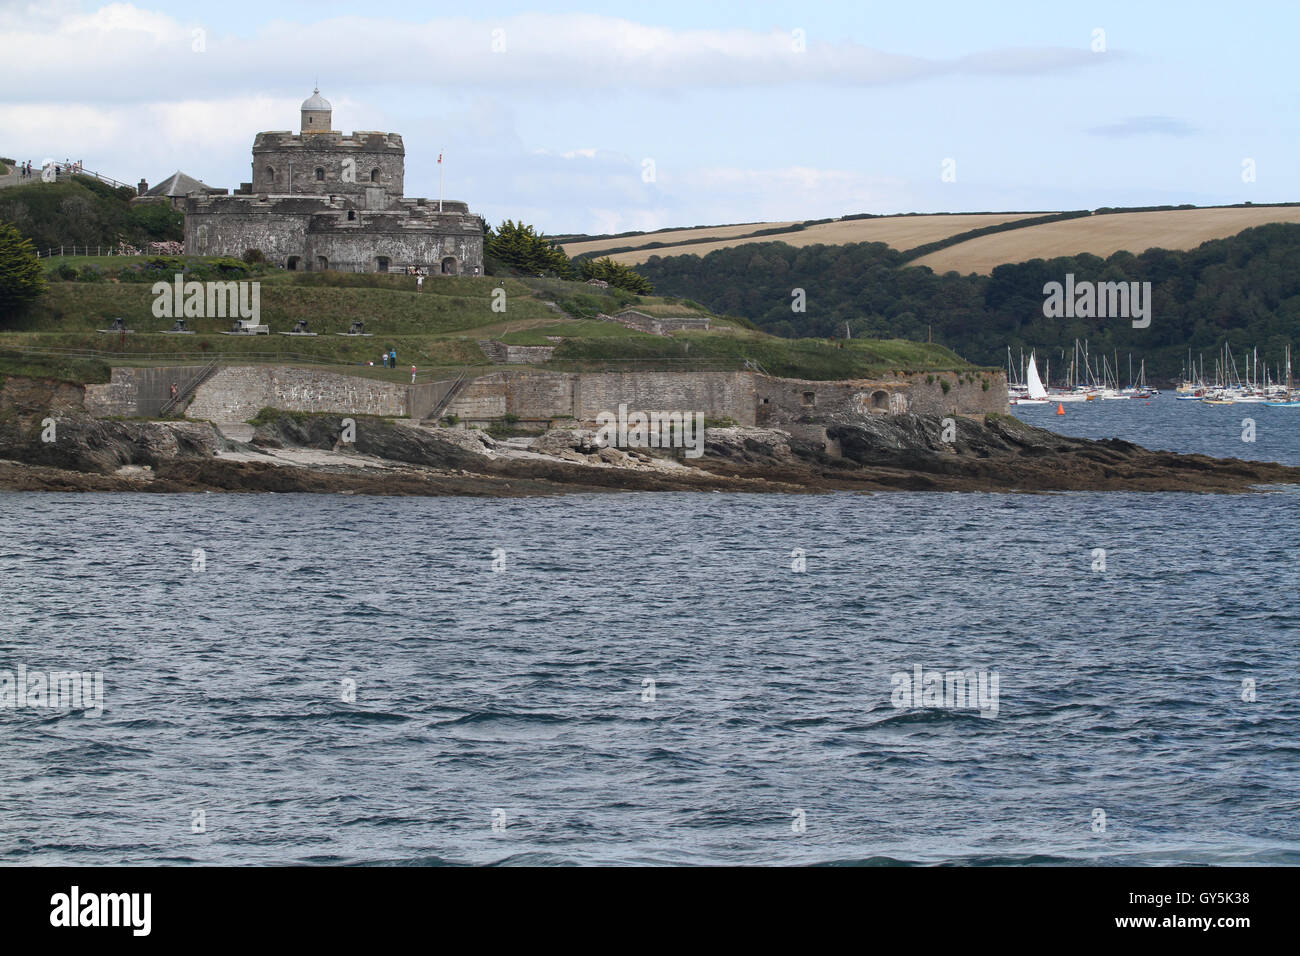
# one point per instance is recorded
(440, 159)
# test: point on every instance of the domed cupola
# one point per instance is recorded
(317, 114)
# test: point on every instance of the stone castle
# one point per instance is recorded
(323, 200)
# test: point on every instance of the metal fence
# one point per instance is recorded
(51, 251)
(422, 376)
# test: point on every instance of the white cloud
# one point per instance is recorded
(111, 49)
(122, 87)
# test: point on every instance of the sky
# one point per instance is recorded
(610, 117)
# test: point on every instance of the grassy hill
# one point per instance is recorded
(900, 232)
(1103, 235)
(437, 329)
(86, 212)
(970, 243)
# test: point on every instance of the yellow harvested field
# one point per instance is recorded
(900, 232)
(1103, 235)
(674, 235)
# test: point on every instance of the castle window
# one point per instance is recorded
(374, 175)
(320, 174)
(270, 173)
(352, 215)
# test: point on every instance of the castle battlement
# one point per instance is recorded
(320, 199)
(358, 139)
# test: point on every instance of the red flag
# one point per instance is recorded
(440, 159)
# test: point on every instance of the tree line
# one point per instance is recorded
(514, 248)
(1244, 289)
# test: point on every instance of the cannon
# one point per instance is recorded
(116, 327)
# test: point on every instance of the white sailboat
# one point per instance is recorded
(1037, 394)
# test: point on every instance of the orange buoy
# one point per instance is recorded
(1060, 408)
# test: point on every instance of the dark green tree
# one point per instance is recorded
(521, 248)
(21, 280)
(616, 274)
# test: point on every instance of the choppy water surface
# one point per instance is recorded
(519, 697)
(1168, 424)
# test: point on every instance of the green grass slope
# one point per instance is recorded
(437, 329)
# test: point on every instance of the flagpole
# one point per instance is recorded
(439, 180)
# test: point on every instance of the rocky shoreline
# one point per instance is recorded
(290, 452)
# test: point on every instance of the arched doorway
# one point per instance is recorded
(292, 263)
(322, 263)
(381, 264)
(449, 266)
(880, 400)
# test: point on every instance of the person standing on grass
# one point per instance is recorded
(419, 283)
(392, 356)
(412, 374)
(383, 358)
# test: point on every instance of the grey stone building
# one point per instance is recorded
(323, 200)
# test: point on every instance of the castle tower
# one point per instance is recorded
(317, 114)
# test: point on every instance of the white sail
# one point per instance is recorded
(1036, 389)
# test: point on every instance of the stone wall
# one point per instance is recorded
(716, 394)
(298, 231)
(138, 392)
(659, 325)
(540, 396)
(787, 401)
(503, 354)
(228, 225)
(237, 393)
(345, 161)
(424, 397)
